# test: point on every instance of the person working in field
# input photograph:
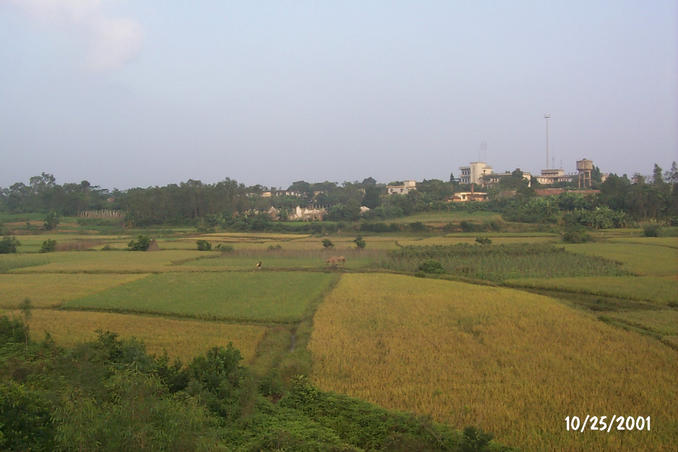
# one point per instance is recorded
(258, 266)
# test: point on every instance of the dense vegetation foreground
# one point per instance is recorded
(110, 394)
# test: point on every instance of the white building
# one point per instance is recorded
(402, 189)
(553, 176)
(473, 173)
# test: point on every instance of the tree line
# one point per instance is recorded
(227, 201)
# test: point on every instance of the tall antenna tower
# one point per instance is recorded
(547, 116)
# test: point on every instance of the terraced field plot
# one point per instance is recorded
(181, 338)
(510, 362)
(640, 259)
(49, 289)
(10, 262)
(500, 263)
(113, 261)
(660, 290)
(447, 217)
(286, 259)
(246, 296)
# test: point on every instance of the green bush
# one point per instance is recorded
(204, 245)
(25, 419)
(431, 266)
(327, 243)
(576, 236)
(651, 230)
(483, 240)
(8, 245)
(224, 248)
(48, 246)
(360, 242)
(140, 244)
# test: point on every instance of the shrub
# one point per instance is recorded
(224, 248)
(360, 242)
(431, 266)
(417, 226)
(140, 244)
(327, 243)
(48, 246)
(576, 236)
(651, 230)
(203, 245)
(483, 240)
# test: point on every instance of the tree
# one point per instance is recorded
(51, 221)
(8, 245)
(48, 246)
(371, 198)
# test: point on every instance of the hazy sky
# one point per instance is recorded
(138, 93)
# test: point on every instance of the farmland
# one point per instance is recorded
(490, 356)
(180, 338)
(495, 340)
(275, 296)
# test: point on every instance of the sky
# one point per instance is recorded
(137, 93)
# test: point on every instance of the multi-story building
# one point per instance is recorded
(553, 176)
(473, 173)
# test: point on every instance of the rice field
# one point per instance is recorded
(510, 362)
(447, 217)
(501, 262)
(113, 261)
(659, 290)
(181, 338)
(637, 258)
(287, 259)
(50, 290)
(245, 296)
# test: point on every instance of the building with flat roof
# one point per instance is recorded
(473, 173)
(402, 189)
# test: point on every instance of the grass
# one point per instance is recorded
(181, 338)
(510, 362)
(642, 259)
(245, 296)
(501, 262)
(49, 290)
(648, 288)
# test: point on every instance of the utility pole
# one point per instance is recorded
(547, 116)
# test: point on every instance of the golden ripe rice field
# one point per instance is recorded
(183, 339)
(513, 363)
